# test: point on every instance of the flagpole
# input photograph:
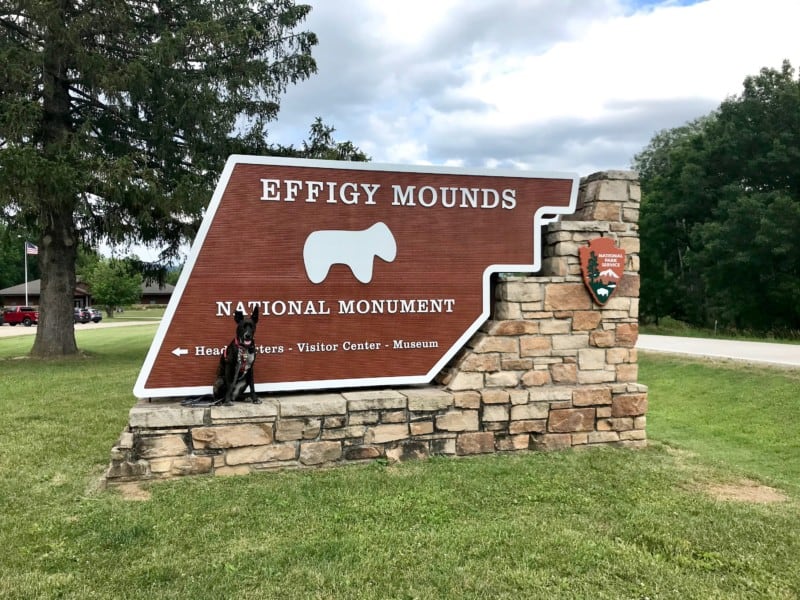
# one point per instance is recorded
(25, 258)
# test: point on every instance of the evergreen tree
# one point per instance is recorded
(591, 268)
(116, 117)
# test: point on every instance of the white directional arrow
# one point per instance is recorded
(180, 351)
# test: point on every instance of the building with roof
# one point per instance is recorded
(82, 296)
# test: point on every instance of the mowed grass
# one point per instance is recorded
(737, 416)
(670, 326)
(604, 523)
(139, 312)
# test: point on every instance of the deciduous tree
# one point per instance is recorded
(114, 283)
(13, 257)
(721, 211)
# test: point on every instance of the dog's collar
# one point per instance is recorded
(250, 348)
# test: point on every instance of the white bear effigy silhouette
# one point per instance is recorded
(355, 249)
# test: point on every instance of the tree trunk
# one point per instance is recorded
(55, 335)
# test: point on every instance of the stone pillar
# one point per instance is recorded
(552, 363)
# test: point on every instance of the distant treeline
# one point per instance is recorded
(720, 218)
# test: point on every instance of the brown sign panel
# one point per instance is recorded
(364, 274)
(602, 265)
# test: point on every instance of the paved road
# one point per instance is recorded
(757, 352)
(8, 331)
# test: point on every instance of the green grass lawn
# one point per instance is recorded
(743, 418)
(670, 326)
(577, 524)
(139, 313)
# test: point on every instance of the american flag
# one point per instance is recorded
(31, 248)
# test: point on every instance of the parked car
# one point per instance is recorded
(81, 315)
(27, 315)
(96, 314)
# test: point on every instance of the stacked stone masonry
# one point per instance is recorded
(549, 370)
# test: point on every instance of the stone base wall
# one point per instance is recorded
(549, 370)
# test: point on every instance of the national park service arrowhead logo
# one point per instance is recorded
(602, 264)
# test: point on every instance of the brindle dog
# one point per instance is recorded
(235, 370)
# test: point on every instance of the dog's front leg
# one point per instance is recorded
(230, 377)
(251, 382)
(219, 390)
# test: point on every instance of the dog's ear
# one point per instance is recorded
(238, 316)
(254, 316)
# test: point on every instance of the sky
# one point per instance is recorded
(566, 86)
(543, 85)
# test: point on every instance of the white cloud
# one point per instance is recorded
(577, 85)
(547, 85)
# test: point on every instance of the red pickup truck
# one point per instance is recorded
(27, 315)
